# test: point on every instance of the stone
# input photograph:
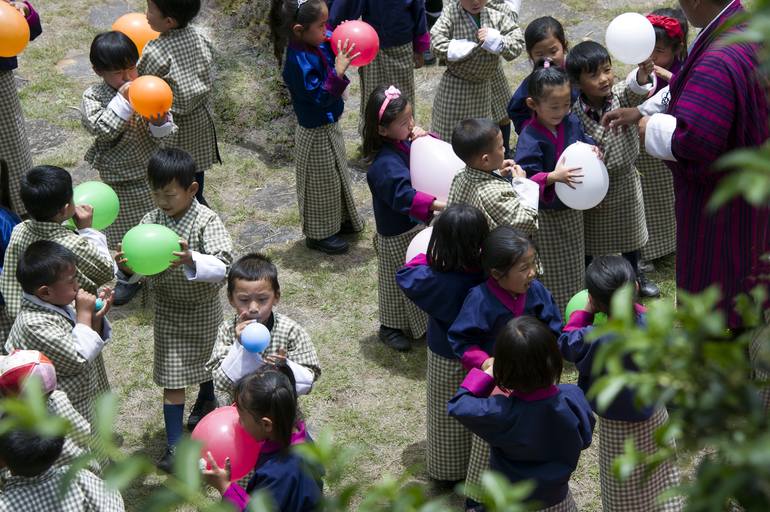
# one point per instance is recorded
(102, 16)
(44, 136)
(256, 235)
(274, 197)
(78, 66)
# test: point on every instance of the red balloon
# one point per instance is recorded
(363, 35)
(223, 436)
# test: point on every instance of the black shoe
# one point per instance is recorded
(329, 245)
(429, 58)
(166, 463)
(346, 228)
(199, 410)
(646, 266)
(394, 338)
(646, 287)
(124, 291)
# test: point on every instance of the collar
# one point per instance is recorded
(65, 311)
(538, 394)
(557, 140)
(712, 22)
(480, 175)
(18, 480)
(592, 111)
(513, 304)
(297, 437)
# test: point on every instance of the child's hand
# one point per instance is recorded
(241, 326)
(663, 73)
(185, 256)
(487, 365)
(216, 477)
(419, 60)
(598, 152)
(345, 56)
(123, 91)
(621, 117)
(506, 169)
(120, 259)
(106, 295)
(21, 7)
(417, 132)
(277, 358)
(481, 35)
(85, 303)
(84, 216)
(438, 206)
(567, 175)
(645, 70)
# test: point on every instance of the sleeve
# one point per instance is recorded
(153, 61)
(33, 20)
(300, 349)
(88, 343)
(518, 111)
(99, 241)
(93, 263)
(441, 35)
(10, 287)
(421, 41)
(105, 123)
(421, 285)
(659, 136)
(504, 207)
(572, 343)
(305, 80)
(472, 406)
(656, 104)
(217, 242)
(630, 93)
(303, 377)
(580, 407)
(469, 331)
(206, 269)
(39, 333)
(238, 363)
(279, 487)
(235, 494)
(344, 10)
(529, 155)
(98, 498)
(391, 182)
(225, 340)
(512, 37)
(546, 310)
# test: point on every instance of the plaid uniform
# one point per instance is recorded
(760, 338)
(5, 327)
(76, 442)
(639, 492)
(391, 66)
(286, 334)
(183, 57)
(561, 248)
(495, 197)
(187, 313)
(86, 493)
(658, 193)
(396, 310)
(41, 328)
(93, 268)
(135, 201)
(473, 85)
(14, 144)
(617, 224)
(478, 463)
(324, 194)
(449, 442)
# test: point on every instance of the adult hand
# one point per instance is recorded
(621, 117)
(642, 130)
(663, 73)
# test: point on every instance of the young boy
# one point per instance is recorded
(479, 143)
(253, 290)
(47, 194)
(183, 57)
(72, 339)
(187, 306)
(618, 224)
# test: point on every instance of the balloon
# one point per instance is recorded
(149, 248)
(579, 302)
(102, 198)
(223, 436)
(419, 244)
(255, 337)
(630, 38)
(363, 35)
(136, 27)
(99, 305)
(14, 31)
(595, 183)
(150, 96)
(433, 165)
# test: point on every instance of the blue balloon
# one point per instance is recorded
(99, 305)
(255, 338)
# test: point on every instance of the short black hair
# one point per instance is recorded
(586, 57)
(182, 11)
(474, 137)
(113, 51)
(29, 454)
(42, 264)
(455, 244)
(270, 393)
(171, 164)
(503, 248)
(606, 275)
(543, 78)
(253, 267)
(45, 190)
(542, 28)
(527, 357)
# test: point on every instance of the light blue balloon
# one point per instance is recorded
(99, 305)
(255, 338)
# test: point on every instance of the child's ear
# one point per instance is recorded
(267, 424)
(382, 130)
(193, 188)
(496, 274)
(43, 292)
(531, 103)
(277, 297)
(297, 29)
(171, 22)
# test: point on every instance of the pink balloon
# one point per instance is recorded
(419, 244)
(433, 165)
(223, 436)
(363, 35)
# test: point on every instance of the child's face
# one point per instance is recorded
(519, 277)
(663, 55)
(260, 430)
(401, 127)
(599, 83)
(158, 22)
(493, 160)
(254, 300)
(554, 107)
(174, 199)
(117, 78)
(315, 33)
(473, 6)
(63, 291)
(548, 48)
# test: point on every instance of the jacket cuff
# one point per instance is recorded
(121, 107)
(207, 269)
(636, 87)
(419, 260)
(335, 85)
(474, 357)
(421, 204)
(547, 193)
(236, 496)
(493, 42)
(421, 44)
(479, 383)
(239, 362)
(659, 136)
(579, 319)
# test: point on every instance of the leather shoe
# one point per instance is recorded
(395, 339)
(647, 288)
(646, 266)
(329, 245)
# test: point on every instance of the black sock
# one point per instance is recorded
(633, 258)
(588, 260)
(206, 391)
(506, 129)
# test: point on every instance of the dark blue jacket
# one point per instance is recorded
(397, 22)
(519, 112)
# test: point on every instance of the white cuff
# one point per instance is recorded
(121, 107)
(636, 87)
(654, 105)
(164, 130)
(99, 240)
(658, 135)
(88, 343)
(303, 376)
(527, 190)
(239, 362)
(493, 42)
(514, 5)
(207, 269)
(459, 48)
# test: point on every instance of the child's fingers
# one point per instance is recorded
(212, 462)
(354, 56)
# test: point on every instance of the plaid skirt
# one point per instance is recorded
(14, 144)
(640, 491)
(198, 136)
(392, 66)
(561, 248)
(501, 94)
(759, 343)
(658, 192)
(135, 201)
(323, 182)
(449, 442)
(478, 463)
(396, 310)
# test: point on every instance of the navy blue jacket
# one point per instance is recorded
(35, 29)
(397, 22)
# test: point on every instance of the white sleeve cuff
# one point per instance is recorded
(87, 342)
(164, 130)
(527, 190)
(121, 107)
(239, 362)
(654, 105)
(493, 42)
(459, 48)
(658, 135)
(207, 269)
(302, 376)
(637, 88)
(99, 240)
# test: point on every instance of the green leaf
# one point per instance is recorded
(105, 410)
(606, 389)
(186, 468)
(120, 474)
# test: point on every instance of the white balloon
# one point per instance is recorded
(419, 244)
(433, 165)
(595, 179)
(630, 38)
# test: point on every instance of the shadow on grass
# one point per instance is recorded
(410, 364)
(299, 258)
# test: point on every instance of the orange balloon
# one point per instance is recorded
(150, 96)
(14, 31)
(136, 27)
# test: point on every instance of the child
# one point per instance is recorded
(537, 428)
(472, 38)
(316, 80)
(37, 484)
(399, 209)
(183, 57)
(187, 306)
(622, 420)
(8, 221)
(72, 339)
(253, 291)
(47, 194)
(267, 408)
(14, 144)
(438, 285)
(617, 224)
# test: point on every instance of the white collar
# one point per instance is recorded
(66, 310)
(703, 30)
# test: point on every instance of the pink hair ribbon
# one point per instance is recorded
(391, 93)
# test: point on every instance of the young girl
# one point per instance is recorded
(623, 419)
(438, 285)
(316, 80)
(536, 428)
(267, 408)
(543, 139)
(399, 209)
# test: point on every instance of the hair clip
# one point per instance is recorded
(547, 64)
(391, 93)
(300, 3)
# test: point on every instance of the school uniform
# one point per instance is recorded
(14, 143)
(534, 436)
(471, 85)
(188, 310)
(121, 150)
(324, 192)
(8, 221)
(76, 443)
(519, 112)
(441, 295)
(400, 212)
(622, 420)
(230, 362)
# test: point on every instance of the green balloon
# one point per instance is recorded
(102, 198)
(579, 302)
(149, 248)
